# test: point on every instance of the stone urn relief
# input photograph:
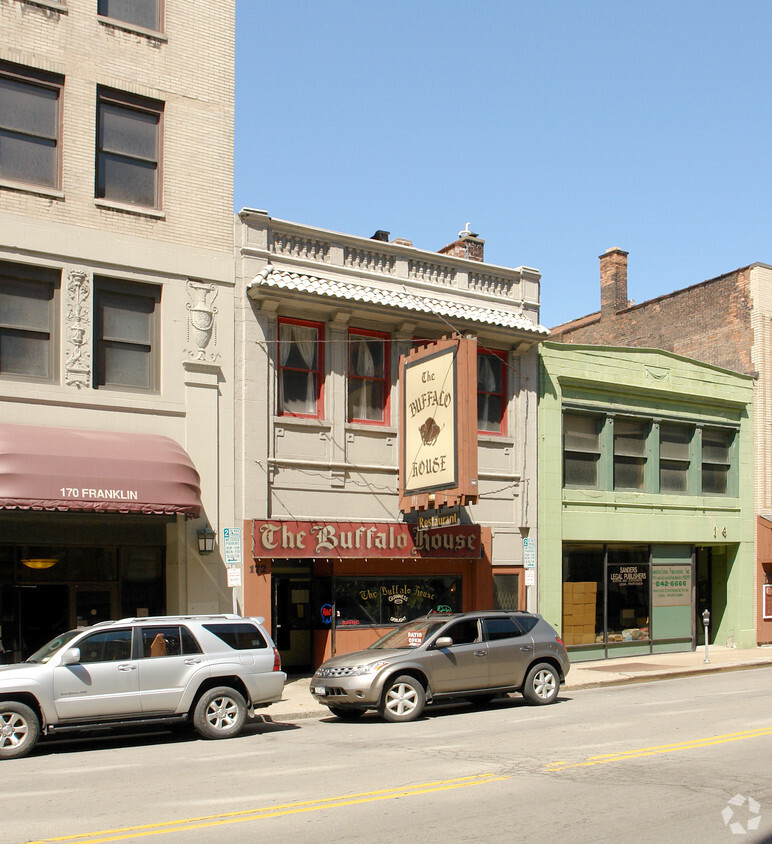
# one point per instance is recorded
(201, 320)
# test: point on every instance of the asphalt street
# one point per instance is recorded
(680, 761)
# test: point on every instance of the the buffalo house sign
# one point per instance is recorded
(438, 430)
(355, 540)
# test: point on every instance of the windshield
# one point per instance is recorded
(410, 635)
(49, 649)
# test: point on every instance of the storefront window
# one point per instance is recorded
(627, 584)
(379, 600)
(582, 594)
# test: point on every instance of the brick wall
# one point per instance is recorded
(710, 322)
(189, 69)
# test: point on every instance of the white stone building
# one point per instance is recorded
(116, 292)
(322, 319)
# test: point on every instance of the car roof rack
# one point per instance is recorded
(159, 619)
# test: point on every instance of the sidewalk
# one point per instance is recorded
(297, 701)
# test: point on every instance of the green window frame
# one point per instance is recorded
(581, 450)
(629, 453)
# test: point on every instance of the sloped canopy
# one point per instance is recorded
(46, 468)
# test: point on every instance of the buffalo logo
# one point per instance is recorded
(429, 431)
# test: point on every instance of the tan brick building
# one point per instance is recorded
(725, 321)
(116, 289)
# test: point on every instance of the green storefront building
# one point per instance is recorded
(645, 501)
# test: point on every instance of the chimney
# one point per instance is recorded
(613, 281)
(469, 245)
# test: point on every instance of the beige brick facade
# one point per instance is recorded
(181, 250)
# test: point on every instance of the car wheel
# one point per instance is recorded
(541, 685)
(403, 699)
(220, 713)
(346, 714)
(19, 729)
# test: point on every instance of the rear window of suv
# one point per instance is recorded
(240, 637)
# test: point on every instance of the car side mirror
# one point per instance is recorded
(443, 642)
(71, 656)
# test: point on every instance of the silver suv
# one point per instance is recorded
(474, 655)
(210, 671)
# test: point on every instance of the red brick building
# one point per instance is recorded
(725, 321)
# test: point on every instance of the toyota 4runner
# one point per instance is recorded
(209, 671)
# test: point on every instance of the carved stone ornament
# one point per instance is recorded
(202, 325)
(77, 364)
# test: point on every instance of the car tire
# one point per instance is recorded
(346, 714)
(19, 729)
(220, 713)
(542, 685)
(403, 699)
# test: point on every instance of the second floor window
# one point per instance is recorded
(629, 453)
(368, 377)
(144, 13)
(609, 452)
(28, 321)
(716, 460)
(301, 362)
(29, 126)
(491, 393)
(128, 149)
(674, 457)
(581, 450)
(125, 335)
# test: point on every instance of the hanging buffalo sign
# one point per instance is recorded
(438, 425)
(281, 539)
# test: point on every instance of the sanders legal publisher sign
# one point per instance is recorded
(354, 540)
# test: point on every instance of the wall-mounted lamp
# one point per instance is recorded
(206, 537)
(40, 562)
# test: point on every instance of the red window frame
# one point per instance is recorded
(502, 394)
(318, 371)
(384, 379)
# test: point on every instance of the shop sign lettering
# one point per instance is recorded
(628, 576)
(292, 539)
(671, 585)
(105, 494)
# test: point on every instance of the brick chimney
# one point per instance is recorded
(469, 245)
(613, 281)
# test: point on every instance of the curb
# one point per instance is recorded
(280, 716)
(678, 673)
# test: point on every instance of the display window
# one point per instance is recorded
(385, 600)
(627, 594)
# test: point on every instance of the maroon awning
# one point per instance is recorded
(45, 468)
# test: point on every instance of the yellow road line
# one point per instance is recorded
(692, 744)
(269, 811)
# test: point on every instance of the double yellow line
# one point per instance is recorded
(146, 830)
(662, 748)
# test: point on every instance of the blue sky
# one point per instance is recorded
(558, 129)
